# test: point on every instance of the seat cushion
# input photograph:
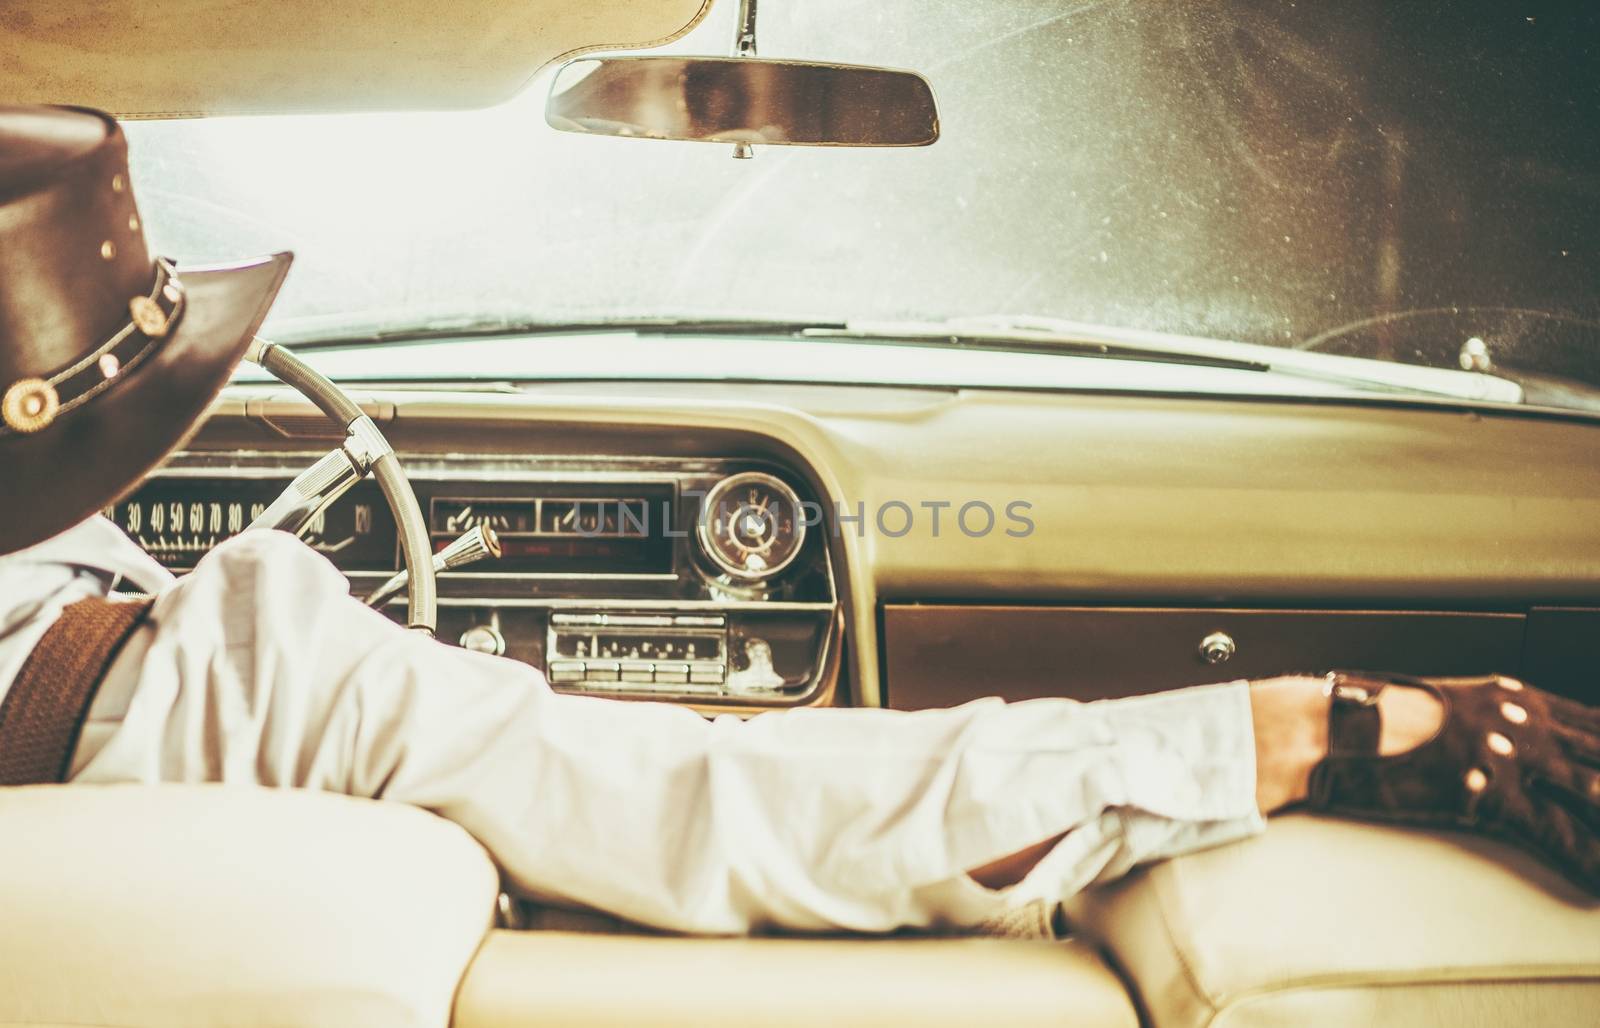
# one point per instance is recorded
(212, 905)
(584, 980)
(1328, 922)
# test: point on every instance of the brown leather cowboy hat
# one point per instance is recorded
(107, 356)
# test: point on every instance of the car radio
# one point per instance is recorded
(738, 654)
(648, 652)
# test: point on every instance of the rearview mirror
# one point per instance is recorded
(743, 100)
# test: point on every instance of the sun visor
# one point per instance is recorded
(189, 58)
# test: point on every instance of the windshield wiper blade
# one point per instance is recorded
(311, 338)
(1061, 336)
(1080, 342)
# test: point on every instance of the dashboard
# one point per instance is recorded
(754, 546)
(692, 580)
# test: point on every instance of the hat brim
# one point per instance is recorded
(87, 458)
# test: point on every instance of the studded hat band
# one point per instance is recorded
(30, 404)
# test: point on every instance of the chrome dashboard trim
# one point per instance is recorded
(559, 602)
(457, 466)
(262, 464)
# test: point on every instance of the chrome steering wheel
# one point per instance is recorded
(364, 449)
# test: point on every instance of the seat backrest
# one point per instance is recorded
(210, 905)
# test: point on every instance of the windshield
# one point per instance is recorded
(1373, 179)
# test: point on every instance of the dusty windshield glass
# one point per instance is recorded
(1368, 178)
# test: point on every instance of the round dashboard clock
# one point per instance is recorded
(751, 526)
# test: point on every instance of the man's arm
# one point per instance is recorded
(1290, 717)
(258, 667)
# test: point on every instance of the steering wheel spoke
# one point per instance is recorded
(313, 491)
(364, 449)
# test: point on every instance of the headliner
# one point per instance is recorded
(188, 58)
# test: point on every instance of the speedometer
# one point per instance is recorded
(751, 526)
(178, 519)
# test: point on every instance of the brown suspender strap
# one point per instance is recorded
(44, 710)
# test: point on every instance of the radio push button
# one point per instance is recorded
(566, 671)
(602, 671)
(635, 671)
(672, 674)
(707, 674)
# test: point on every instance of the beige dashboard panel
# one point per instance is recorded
(947, 654)
(1135, 500)
(185, 58)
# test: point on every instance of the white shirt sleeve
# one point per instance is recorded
(258, 667)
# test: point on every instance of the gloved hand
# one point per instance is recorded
(1509, 761)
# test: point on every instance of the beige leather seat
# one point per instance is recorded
(1331, 923)
(213, 906)
(206, 905)
(177, 906)
(585, 980)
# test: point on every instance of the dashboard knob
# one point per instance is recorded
(484, 639)
(1217, 648)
